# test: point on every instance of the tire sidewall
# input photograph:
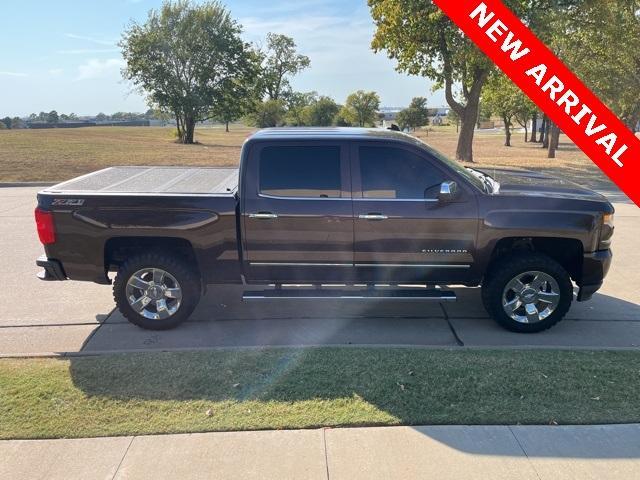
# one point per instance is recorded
(186, 277)
(511, 267)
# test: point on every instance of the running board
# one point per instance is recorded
(316, 294)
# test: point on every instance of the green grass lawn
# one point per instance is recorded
(298, 388)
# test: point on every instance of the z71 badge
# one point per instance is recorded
(67, 202)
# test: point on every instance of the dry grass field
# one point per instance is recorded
(60, 154)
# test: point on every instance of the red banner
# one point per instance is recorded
(553, 87)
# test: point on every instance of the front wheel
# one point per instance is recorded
(156, 291)
(527, 293)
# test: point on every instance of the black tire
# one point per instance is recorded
(186, 276)
(508, 268)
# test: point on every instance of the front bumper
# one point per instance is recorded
(52, 269)
(595, 267)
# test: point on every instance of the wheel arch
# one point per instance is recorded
(118, 249)
(568, 252)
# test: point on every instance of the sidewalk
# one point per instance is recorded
(442, 452)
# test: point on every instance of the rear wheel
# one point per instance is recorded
(156, 291)
(527, 293)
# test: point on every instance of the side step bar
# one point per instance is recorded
(371, 294)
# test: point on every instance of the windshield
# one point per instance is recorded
(474, 179)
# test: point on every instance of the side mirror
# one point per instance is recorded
(448, 192)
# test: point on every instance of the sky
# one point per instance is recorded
(62, 55)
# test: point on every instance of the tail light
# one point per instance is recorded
(46, 229)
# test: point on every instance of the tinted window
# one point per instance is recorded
(388, 172)
(300, 171)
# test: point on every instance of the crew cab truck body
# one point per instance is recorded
(325, 206)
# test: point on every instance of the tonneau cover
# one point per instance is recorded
(162, 180)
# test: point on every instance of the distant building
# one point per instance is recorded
(388, 115)
(437, 115)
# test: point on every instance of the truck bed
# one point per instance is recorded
(149, 180)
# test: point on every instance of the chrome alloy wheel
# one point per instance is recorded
(531, 297)
(154, 293)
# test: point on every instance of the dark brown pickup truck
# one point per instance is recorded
(355, 207)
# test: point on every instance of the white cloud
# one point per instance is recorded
(56, 72)
(86, 51)
(90, 39)
(13, 74)
(95, 68)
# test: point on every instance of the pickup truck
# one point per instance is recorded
(379, 212)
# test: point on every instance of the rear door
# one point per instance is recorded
(402, 232)
(298, 213)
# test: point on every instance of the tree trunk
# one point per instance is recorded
(189, 129)
(543, 130)
(507, 131)
(226, 127)
(179, 125)
(534, 127)
(468, 113)
(547, 132)
(554, 140)
(464, 150)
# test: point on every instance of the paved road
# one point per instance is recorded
(443, 452)
(59, 317)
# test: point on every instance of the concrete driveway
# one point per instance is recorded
(67, 317)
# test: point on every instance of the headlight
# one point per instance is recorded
(606, 231)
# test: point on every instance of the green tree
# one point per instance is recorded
(52, 117)
(239, 96)
(361, 108)
(322, 112)
(101, 117)
(233, 103)
(281, 62)
(414, 116)
(184, 57)
(342, 118)
(6, 121)
(17, 123)
(269, 113)
(296, 103)
(423, 41)
(503, 98)
(602, 49)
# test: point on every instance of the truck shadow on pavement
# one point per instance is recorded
(605, 322)
(407, 387)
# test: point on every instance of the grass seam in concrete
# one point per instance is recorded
(326, 452)
(451, 327)
(115, 474)
(515, 437)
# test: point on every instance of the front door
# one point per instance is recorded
(402, 232)
(298, 213)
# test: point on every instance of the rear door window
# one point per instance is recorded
(300, 171)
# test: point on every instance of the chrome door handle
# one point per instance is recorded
(372, 216)
(263, 215)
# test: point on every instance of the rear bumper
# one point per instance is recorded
(52, 269)
(595, 267)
